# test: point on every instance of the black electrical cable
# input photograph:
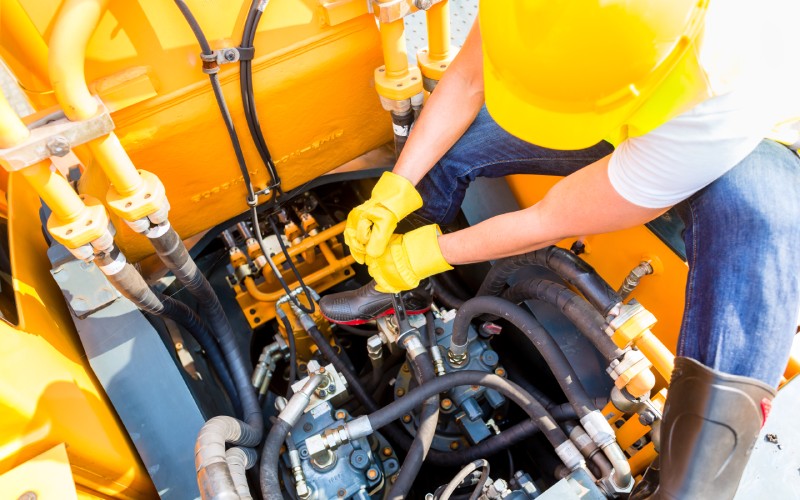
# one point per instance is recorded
(252, 198)
(306, 291)
(248, 98)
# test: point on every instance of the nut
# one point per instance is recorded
(58, 146)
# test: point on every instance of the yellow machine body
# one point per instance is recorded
(313, 75)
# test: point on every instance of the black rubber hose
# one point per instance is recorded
(430, 330)
(292, 349)
(130, 283)
(574, 270)
(353, 383)
(537, 413)
(248, 99)
(590, 323)
(184, 316)
(429, 416)
(535, 333)
(174, 255)
(445, 296)
(270, 457)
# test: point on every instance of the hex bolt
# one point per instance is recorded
(423, 4)
(446, 404)
(387, 452)
(406, 418)
(58, 146)
(372, 474)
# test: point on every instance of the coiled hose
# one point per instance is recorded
(574, 270)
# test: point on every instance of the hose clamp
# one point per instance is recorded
(598, 428)
(115, 266)
(570, 455)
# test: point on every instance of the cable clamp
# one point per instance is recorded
(245, 53)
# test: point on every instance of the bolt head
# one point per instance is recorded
(58, 146)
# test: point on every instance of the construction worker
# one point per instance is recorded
(641, 106)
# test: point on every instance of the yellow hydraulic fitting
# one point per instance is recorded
(632, 373)
(396, 80)
(76, 220)
(434, 60)
(632, 327)
(134, 194)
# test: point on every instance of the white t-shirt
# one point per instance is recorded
(749, 55)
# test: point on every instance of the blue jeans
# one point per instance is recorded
(742, 233)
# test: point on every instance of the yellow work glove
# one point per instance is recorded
(371, 224)
(409, 258)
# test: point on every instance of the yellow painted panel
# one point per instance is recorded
(47, 476)
(313, 85)
(48, 394)
(613, 255)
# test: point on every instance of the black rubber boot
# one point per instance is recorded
(711, 422)
(365, 304)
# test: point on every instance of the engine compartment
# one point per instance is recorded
(330, 454)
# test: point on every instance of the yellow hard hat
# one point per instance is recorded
(566, 74)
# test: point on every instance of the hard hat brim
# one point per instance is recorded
(545, 128)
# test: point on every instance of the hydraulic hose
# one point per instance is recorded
(353, 383)
(424, 373)
(590, 323)
(213, 474)
(413, 399)
(444, 295)
(461, 476)
(535, 333)
(239, 460)
(130, 283)
(574, 270)
(173, 254)
(269, 473)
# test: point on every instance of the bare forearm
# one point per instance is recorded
(582, 204)
(447, 114)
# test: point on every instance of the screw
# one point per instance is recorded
(439, 330)
(58, 146)
(393, 479)
(340, 415)
(230, 55)
(455, 445)
(401, 392)
(500, 372)
(372, 474)
(446, 404)
(307, 427)
(341, 493)
(405, 367)
(387, 452)
(406, 418)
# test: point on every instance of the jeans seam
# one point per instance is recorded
(690, 280)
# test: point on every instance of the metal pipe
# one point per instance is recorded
(30, 48)
(438, 21)
(395, 53)
(55, 190)
(72, 30)
(12, 130)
